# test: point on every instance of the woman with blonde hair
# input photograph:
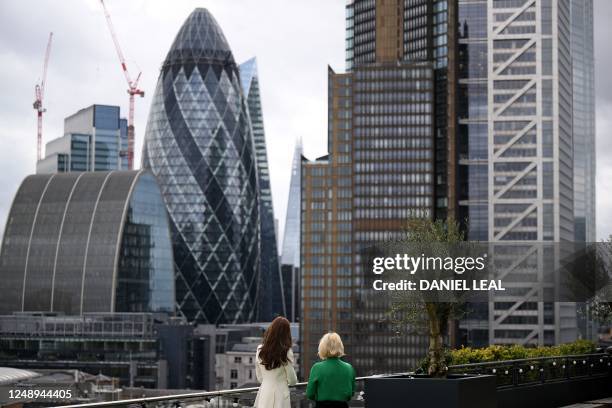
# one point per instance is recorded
(332, 381)
(274, 366)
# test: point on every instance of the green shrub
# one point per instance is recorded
(468, 355)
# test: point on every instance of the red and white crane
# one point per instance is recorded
(132, 90)
(39, 90)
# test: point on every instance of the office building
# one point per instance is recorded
(527, 116)
(271, 302)
(381, 170)
(448, 109)
(236, 347)
(290, 256)
(138, 349)
(87, 242)
(199, 145)
(83, 387)
(236, 367)
(583, 77)
(95, 139)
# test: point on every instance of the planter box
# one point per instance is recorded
(422, 391)
(556, 393)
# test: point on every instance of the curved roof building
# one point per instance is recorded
(87, 242)
(199, 145)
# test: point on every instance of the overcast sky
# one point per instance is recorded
(293, 40)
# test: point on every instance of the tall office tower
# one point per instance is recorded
(383, 135)
(584, 140)
(93, 140)
(271, 302)
(199, 145)
(518, 92)
(473, 148)
(449, 109)
(290, 256)
(583, 70)
(527, 116)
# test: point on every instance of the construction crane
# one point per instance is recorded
(132, 90)
(39, 91)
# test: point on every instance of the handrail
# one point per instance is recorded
(528, 371)
(202, 395)
(238, 391)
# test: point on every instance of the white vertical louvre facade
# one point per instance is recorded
(530, 156)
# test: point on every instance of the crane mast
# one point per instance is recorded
(132, 91)
(39, 91)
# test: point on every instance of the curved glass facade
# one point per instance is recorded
(66, 244)
(199, 145)
(143, 282)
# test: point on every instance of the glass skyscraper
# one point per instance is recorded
(85, 242)
(290, 256)
(461, 109)
(583, 76)
(383, 134)
(525, 64)
(94, 140)
(271, 303)
(199, 145)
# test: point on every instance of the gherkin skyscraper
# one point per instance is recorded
(199, 145)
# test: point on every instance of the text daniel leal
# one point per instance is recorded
(450, 285)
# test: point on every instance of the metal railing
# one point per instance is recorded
(234, 398)
(509, 373)
(516, 373)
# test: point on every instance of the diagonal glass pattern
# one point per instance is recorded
(199, 145)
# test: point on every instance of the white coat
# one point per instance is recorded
(274, 389)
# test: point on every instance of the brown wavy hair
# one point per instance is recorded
(276, 344)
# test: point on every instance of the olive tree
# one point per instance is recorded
(426, 312)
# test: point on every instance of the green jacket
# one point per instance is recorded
(331, 380)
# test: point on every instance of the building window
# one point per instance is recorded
(234, 374)
(233, 385)
(237, 359)
(250, 374)
(250, 360)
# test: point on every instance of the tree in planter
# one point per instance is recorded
(589, 271)
(600, 306)
(425, 310)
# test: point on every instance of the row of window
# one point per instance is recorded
(419, 154)
(403, 167)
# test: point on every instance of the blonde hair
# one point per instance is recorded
(330, 345)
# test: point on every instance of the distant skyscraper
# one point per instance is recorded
(583, 70)
(290, 257)
(526, 154)
(199, 145)
(93, 140)
(291, 238)
(84, 242)
(456, 109)
(271, 302)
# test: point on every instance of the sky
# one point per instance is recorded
(294, 42)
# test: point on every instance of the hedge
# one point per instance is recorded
(467, 355)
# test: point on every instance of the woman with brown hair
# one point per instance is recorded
(274, 366)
